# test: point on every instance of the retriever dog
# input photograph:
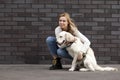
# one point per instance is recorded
(73, 46)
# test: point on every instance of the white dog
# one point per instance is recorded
(73, 46)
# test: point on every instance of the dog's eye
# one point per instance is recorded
(60, 36)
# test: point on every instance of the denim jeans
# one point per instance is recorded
(55, 50)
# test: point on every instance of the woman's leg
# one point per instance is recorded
(52, 46)
(54, 50)
(63, 53)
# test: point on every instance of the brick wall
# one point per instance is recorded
(25, 24)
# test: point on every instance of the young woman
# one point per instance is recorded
(65, 24)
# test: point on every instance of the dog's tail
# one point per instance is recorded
(99, 68)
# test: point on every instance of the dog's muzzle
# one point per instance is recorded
(61, 43)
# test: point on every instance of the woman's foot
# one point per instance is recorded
(56, 64)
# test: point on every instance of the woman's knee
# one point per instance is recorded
(61, 52)
(50, 39)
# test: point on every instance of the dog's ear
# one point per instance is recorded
(69, 37)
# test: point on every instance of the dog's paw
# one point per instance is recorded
(115, 69)
(83, 69)
(71, 69)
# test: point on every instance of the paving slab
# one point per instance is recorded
(41, 72)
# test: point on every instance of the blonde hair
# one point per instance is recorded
(71, 26)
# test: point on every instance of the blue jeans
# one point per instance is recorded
(55, 50)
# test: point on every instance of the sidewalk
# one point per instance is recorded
(41, 72)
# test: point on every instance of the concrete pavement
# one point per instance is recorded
(41, 72)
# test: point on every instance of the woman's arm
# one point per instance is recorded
(57, 30)
(84, 39)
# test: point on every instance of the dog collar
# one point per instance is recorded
(68, 44)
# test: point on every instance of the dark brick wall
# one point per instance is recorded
(25, 24)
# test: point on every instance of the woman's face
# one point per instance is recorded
(63, 23)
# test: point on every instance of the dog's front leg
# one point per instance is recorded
(73, 63)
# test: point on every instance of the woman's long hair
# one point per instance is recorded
(71, 25)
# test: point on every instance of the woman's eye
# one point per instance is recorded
(64, 21)
(60, 20)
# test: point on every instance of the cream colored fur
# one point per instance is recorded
(90, 62)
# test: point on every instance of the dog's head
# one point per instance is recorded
(64, 37)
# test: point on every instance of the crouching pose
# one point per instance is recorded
(65, 24)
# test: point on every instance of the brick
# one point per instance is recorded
(18, 19)
(19, 1)
(115, 41)
(1, 14)
(72, 2)
(98, 2)
(18, 27)
(11, 6)
(51, 6)
(90, 32)
(22, 23)
(59, 10)
(2, 6)
(111, 19)
(98, 45)
(112, 2)
(91, 23)
(5, 19)
(51, 14)
(91, 6)
(104, 58)
(115, 58)
(5, 53)
(5, 35)
(98, 37)
(31, 36)
(115, 32)
(115, 24)
(111, 37)
(24, 6)
(84, 10)
(31, 10)
(5, 44)
(78, 6)
(5, 27)
(37, 23)
(99, 19)
(11, 23)
(104, 6)
(33, 19)
(104, 23)
(45, 10)
(104, 41)
(11, 49)
(23, 14)
(98, 28)
(84, 2)
(111, 45)
(29, 1)
(5, 10)
(98, 10)
(115, 6)
(38, 6)
(18, 36)
(18, 10)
